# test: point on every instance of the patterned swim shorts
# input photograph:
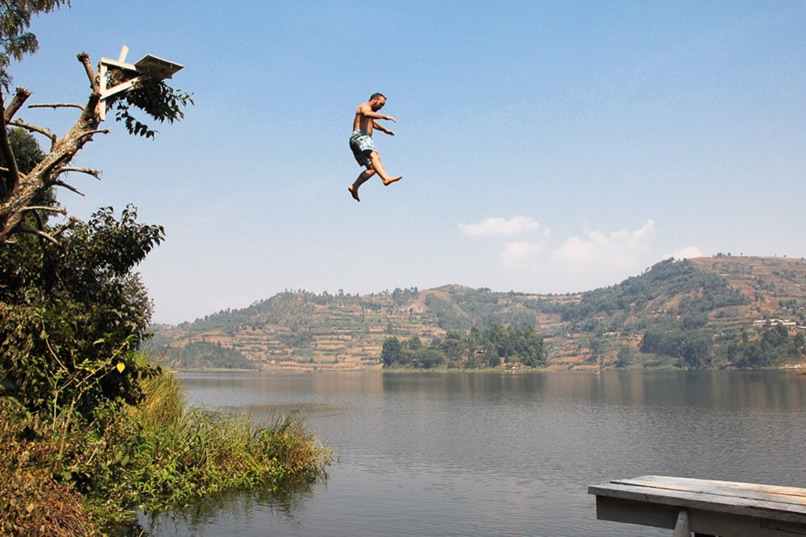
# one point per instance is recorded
(362, 145)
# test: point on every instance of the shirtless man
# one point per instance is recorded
(362, 145)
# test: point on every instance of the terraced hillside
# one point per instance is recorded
(706, 312)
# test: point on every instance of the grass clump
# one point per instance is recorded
(156, 455)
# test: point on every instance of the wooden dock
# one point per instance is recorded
(703, 507)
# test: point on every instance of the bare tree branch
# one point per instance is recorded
(38, 233)
(57, 105)
(89, 171)
(44, 175)
(40, 226)
(90, 134)
(8, 154)
(69, 225)
(84, 58)
(59, 210)
(68, 187)
(16, 103)
(33, 128)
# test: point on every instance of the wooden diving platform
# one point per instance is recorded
(702, 506)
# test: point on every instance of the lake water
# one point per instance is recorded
(449, 454)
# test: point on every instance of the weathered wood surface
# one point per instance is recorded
(722, 508)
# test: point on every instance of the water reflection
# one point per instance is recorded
(243, 513)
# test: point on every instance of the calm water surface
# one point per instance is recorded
(490, 454)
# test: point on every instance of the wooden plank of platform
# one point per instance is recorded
(723, 508)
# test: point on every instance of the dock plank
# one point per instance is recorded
(792, 495)
(655, 500)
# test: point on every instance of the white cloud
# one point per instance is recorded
(579, 262)
(689, 252)
(576, 250)
(617, 249)
(520, 255)
(551, 262)
(497, 226)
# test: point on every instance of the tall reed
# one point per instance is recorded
(183, 453)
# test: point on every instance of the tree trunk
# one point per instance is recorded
(32, 186)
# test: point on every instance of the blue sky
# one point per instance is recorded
(546, 147)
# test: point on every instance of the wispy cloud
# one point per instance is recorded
(500, 227)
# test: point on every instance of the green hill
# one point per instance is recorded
(710, 312)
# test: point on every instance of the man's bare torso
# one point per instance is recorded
(361, 121)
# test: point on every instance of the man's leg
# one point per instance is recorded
(362, 178)
(378, 167)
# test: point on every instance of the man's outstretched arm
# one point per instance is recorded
(366, 111)
(376, 125)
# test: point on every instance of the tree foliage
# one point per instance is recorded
(477, 349)
(693, 349)
(15, 39)
(774, 346)
(157, 100)
(203, 354)
(73, 314)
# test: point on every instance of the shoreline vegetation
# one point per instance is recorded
(799, 368)
(74, 476)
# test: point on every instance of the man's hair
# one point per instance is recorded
(376, 95)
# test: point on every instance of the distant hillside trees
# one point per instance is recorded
(697, 349)
(667, 278)
(773, 347)
(203, 354)
(401, 296)
(684, 331)
(625, 356)
(448, 315)
(478, 349)
(693, 349)
(469, 307)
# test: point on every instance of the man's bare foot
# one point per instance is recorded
(353, 193)
(392, 180)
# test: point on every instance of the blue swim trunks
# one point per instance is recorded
(362, 145)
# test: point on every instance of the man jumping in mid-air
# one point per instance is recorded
(362, 145)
